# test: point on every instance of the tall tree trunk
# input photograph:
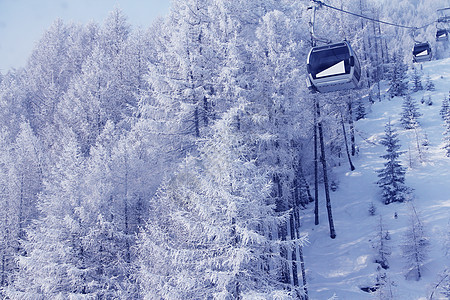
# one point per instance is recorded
(316, 168)
(352, 167)
(377, 59)
(364, 43)
(3, 281)
(125, 211)
(352, 127)
(294, 250)
(300, 253)
(325, 173)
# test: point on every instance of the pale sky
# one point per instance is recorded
(22, 22)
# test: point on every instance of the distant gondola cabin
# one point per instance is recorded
(441, 35)
(421, 52)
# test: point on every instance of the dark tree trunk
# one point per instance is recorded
(300, 252)
(316, 168)
(196, 122)
(352, 167)
(325, 174)
(352, 127)
(294, 250)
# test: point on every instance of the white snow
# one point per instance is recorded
(345, 264)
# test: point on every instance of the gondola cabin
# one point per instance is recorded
(441, 35)
(332, 68)
(421, 52)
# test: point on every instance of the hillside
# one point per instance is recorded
(343, 265)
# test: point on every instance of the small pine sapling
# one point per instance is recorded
(445, 107)
(384, 286)
(446, 134)
(392, 176)
(429, 85)
(381, 245)
(415, 246)
(372, 209)
(417, 80)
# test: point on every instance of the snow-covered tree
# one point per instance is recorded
(397, 76)
(53, 261)
(385, 286)
(215, 211)
(446, 133)
(410, 113)
(416, 80)
(392, 176)
(415, 246)
(429, 85)
(360, 112)
(445, 106)
(381, 245)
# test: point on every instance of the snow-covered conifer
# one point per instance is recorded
(360, 110)
(216, 212)
(392, 176)
(445, 106)
(410, 113)
(381, 245)
(417, 80)
(384, 286)
(429, 85)
(415, 246)
(446, 133)
(397, 76)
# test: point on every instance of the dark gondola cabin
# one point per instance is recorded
(441, 35)
(421, 52)
(333, 67)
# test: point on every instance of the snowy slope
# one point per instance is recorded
(343, 265)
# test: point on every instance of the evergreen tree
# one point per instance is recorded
(410, 113)
(417, 80)
(397, 76)
(445, 106)
(392, 176)
(381, 245)
(360, 110)
(446, 133)
(429, 85)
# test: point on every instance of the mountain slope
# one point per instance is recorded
(346, 264)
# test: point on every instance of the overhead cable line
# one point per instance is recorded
(369, 18)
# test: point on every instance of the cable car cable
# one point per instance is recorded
(371, 19)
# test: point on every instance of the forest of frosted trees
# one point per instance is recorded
(173, 162)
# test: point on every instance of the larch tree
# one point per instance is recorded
(9, 228)
(53, 261)
(215, 210)
(381, 245)
(415, 246)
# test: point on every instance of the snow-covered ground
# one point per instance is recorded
(345, 264)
